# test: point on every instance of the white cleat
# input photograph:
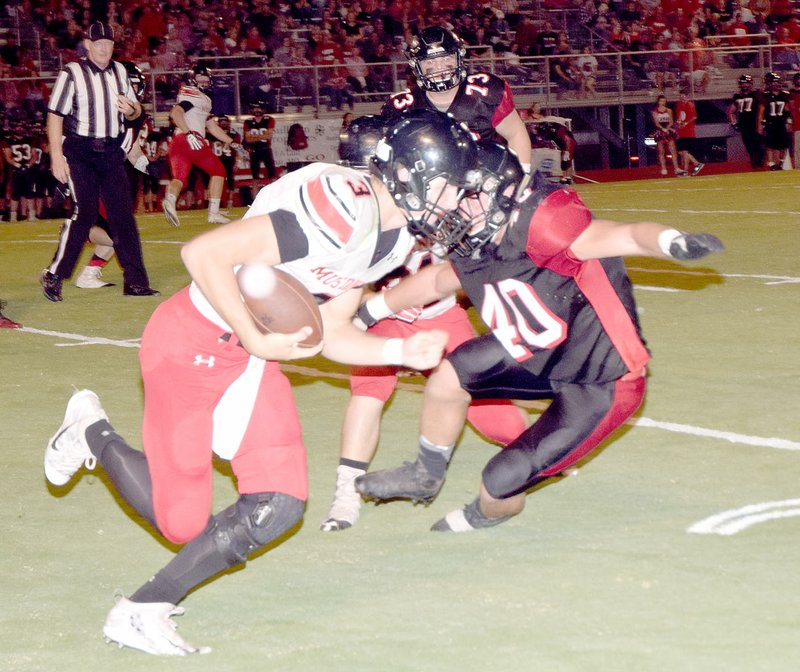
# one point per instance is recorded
(170, 212)
(67, 450)
(90, 279)
(147, 626)
(217, 218)
(346, 505)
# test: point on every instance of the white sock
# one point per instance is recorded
(172, 198)
(213, 206)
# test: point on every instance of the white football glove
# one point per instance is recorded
(195, 140)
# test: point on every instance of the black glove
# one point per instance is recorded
(694, 246)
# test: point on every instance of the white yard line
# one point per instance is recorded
(731, 437)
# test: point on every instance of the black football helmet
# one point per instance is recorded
(357, 142)
(200, 76)
(436, 42)
(502, 179)
(136, 76)
(419, 149)
(745, 83)
(772, 80)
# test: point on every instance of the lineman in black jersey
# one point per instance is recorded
(548, 281)
(481, 100)
(775, 120)
(743, 116)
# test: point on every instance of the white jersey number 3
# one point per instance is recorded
(510, 309)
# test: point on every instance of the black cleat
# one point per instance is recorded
(140, 290)
(409, 481)
(51, 286)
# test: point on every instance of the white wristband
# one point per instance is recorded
(666, 238)
(378, 308)
(393, 351)
(526, 167)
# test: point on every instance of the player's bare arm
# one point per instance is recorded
(210, 259)
(178, 117)
(346, 344)
(216, 130)
(605, 238)
(512, 128)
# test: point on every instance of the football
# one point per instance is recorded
(278, 302)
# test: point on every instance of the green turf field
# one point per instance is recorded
(599, 573)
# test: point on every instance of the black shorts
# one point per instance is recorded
(685, 145)
(777, 137)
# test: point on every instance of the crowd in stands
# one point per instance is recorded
(348, 36)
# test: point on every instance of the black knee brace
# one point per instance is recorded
(252, 522)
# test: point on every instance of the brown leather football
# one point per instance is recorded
(279, 302)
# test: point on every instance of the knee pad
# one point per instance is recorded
(252, 522)
(508, 473)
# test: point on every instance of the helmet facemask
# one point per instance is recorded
(436, 56)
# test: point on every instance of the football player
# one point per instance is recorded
(371, 387)
(189, 147)
(258, 131)
(481, 100)
(743, 116)
(213, 384)
(548, 281)
(775, 120)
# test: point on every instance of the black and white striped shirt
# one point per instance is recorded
(86, 97)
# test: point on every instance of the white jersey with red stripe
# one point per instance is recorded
(329, 216)
(416, 261)
(197, 116)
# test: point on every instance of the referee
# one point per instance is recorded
(90, 101)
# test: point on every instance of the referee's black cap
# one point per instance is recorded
(100, 31)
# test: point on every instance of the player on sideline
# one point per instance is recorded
(189, 146)
(743, 116)
(371, 387)
(548, 279)
(212, 382)
(775, 120)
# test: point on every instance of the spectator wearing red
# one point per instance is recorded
(152, 24)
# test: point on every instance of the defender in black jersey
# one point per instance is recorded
(548, 281)
(482, 101)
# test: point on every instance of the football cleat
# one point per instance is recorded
(51, 286)
(140, 290)
(346, 505)
(217, 218)
(148, 627)
(90, 279)
(170, 212)
(696, 170)
(468, 519)
(409, 481)
(67, 450)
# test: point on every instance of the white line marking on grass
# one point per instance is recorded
(732, 521)
(55, 240)
(732, 437)
(773, 279)
(83, 340)
(683, 211)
